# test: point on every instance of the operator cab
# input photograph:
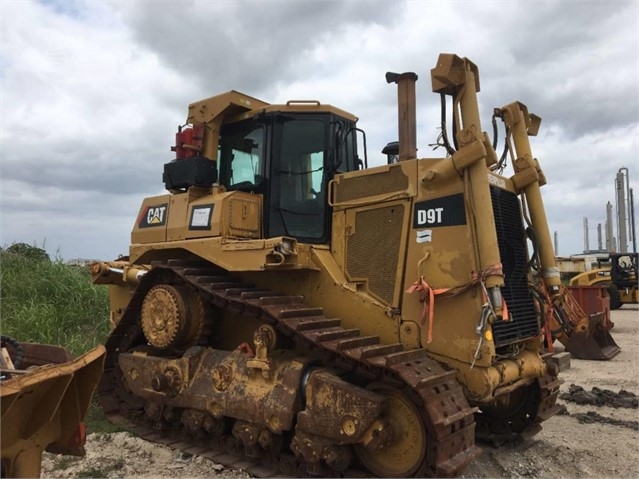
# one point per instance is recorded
(289, 157)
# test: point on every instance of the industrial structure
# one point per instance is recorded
(624, 220)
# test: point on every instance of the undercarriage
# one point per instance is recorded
(305, 397)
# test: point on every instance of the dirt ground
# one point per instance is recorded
(587, 441)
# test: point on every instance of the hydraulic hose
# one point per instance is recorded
(19, 351)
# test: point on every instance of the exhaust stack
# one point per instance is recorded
(406, 113)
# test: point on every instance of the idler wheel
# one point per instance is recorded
(406, 452)
(513, 413)
(172, 316)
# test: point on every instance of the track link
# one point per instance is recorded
(450, 419)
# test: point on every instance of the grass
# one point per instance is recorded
(91, 473)
(96, 472)
(96, 422)
(63, 462)
(50, 302)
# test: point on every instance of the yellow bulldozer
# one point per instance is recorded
(286, 309)
(619, 273)
(44, 397)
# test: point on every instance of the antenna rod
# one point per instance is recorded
(632, 222)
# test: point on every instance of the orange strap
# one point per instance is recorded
(482, 275)
(490, 271)
(427, 295)
(504, 308)
(245, 348)
(548, 318)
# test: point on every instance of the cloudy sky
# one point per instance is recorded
(91, 94)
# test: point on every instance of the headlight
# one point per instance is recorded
(286, 247)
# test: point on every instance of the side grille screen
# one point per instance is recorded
(373, 251)
(370, 185)
(512, 250)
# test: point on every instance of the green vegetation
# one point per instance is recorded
(64, 462)
(96, 422)
(94, 472)
(91, 473)
(50, 302)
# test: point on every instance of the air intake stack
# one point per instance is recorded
(406, 113)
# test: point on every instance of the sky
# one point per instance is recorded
(92, 92)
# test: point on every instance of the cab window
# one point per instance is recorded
(242, 156)
(298, 200)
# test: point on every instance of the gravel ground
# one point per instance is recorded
(587, 441)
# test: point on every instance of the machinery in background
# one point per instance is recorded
(582, 324)
(619, 274)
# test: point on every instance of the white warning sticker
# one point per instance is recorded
(424, 236)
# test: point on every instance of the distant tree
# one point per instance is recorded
(27, 251)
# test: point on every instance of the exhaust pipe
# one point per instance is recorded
(406, 113)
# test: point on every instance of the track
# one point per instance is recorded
(435, 392)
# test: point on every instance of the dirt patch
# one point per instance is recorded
(592, 416)
(600, 397)
(581, 442)
(121, 455)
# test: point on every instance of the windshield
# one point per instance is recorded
(299, 172)
(242, 156)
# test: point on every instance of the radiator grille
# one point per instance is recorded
(514, 257)
(393, 180)
(373, 251)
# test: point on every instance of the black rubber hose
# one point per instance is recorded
(454, 128)
(558, 312)
(505, 152)
(17, 361)
(534, 257)
(449, 149)
(562, 319)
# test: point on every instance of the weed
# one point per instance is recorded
(63, 462)
(50, 302)
(97, 423)
(90, 473)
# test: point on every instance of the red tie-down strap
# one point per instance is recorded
(427, 295)
(245, 348)
(547, 317)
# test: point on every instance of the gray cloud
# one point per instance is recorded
(91, 93)
(574, 61)
(244, 44)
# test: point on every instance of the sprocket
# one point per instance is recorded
(172, 316)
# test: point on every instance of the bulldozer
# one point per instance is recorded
(44, 398)
(619, 274)
(287, 309)
(584, 334)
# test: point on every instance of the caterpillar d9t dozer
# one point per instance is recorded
(290, 311)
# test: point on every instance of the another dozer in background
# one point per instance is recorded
(619, 275)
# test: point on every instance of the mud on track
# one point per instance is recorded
(596, 437)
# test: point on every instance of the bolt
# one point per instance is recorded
(159, 383)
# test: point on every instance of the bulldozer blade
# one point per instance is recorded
(43, 407)
(591, 340)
